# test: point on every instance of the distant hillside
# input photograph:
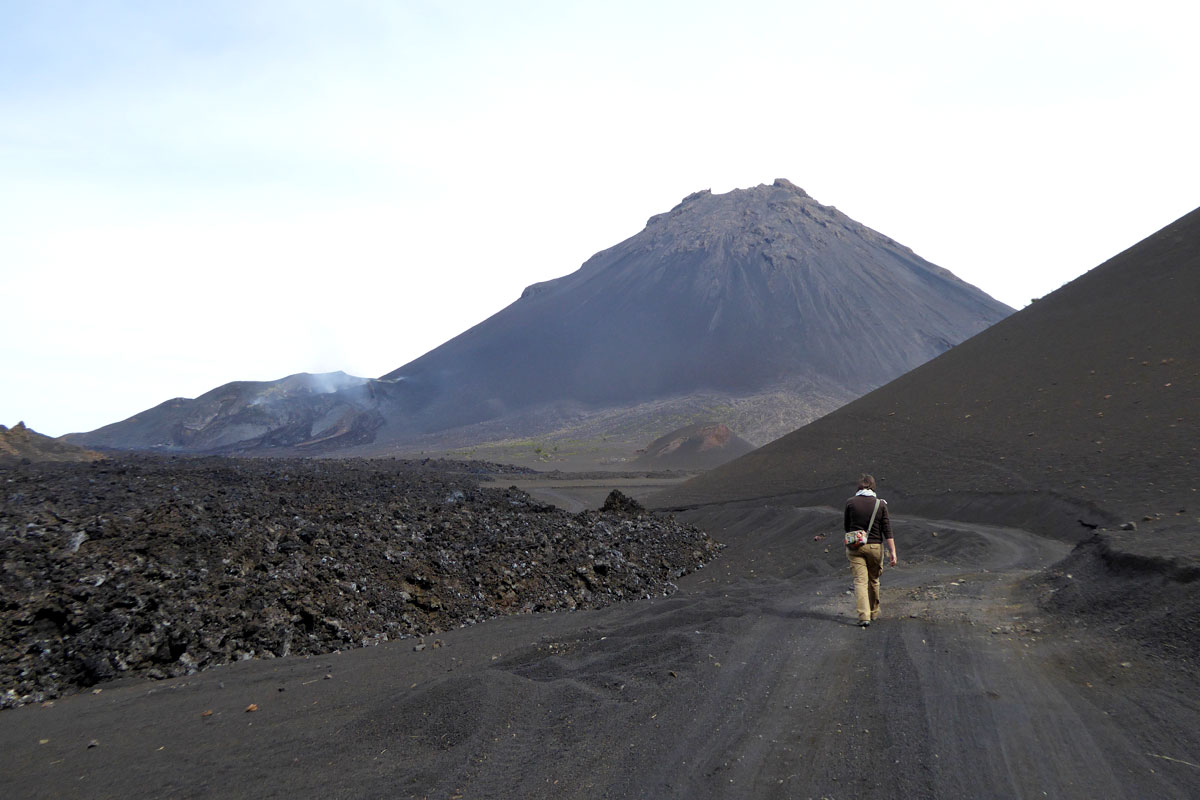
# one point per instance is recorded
(759, 308)
(21, 443)
(1087, 397)
(303, 411)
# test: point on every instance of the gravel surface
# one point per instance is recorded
(752, 680)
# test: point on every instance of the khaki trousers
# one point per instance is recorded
(866, 563)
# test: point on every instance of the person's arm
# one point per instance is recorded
(846, 519)
(885, 528)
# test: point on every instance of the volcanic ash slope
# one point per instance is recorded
(1085, 401)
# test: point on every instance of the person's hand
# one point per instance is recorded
(893, 561)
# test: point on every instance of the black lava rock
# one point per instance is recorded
(162, 567)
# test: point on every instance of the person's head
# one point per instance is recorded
(866, 482)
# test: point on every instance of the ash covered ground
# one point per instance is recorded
(163, 567)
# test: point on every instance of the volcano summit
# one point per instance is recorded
(759, 308)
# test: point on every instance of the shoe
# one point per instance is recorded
(864, 623)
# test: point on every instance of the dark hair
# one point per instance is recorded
(866, 482)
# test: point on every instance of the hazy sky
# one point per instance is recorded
(194, 193)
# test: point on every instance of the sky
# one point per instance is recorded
(196, 193)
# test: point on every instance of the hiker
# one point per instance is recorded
(867, 516)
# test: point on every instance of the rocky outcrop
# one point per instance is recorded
(20, 443)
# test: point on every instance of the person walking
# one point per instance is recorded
(867, 529)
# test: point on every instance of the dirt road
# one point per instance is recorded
(751, 681)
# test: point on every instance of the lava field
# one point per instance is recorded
(161, 567)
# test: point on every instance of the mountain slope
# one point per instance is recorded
(759, 308)
(732, 295)
(1087, 397)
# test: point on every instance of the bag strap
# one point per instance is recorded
(872, 522)
(882, 545)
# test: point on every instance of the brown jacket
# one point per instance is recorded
(858, 514)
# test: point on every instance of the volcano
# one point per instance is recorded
(757, 293)
(759, 308)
